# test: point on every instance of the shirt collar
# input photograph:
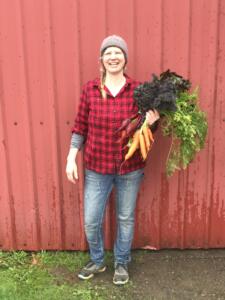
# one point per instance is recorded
(96, 81)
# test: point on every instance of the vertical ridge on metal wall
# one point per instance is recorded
(7, 213)
(57, 163)
(217, 206)
(214, 93)
(77, 89)
(35, 221)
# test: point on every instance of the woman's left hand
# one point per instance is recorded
(152, 116)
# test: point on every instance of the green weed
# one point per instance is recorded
(71, 260)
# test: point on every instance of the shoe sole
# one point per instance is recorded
(91, 275)
(121, 282)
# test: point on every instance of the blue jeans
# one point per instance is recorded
(96, 193)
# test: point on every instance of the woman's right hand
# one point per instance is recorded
(71, 166)
(71, 170)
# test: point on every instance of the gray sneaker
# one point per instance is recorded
(90, 269)
(121, 275)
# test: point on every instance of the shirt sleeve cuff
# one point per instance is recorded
(77, 141)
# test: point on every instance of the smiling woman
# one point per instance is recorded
(113, 62)
(114, 53)
(105, 103)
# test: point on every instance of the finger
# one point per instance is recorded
(148, 118)
(148, 115)
(156, 113)
(75, 174)
(70, 178)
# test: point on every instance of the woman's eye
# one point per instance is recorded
(110, 53)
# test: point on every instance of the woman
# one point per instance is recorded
(104, 104)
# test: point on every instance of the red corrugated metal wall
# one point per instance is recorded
(48, 49)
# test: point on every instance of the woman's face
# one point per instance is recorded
(113, 60)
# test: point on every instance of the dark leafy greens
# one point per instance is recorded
(160, 93)
(182, 118)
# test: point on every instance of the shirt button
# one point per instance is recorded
(114, 111)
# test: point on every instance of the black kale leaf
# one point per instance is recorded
(161, 92)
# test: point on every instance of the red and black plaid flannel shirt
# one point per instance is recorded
(98, 119)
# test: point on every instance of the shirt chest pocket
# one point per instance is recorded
(103, 113)
(99, 114)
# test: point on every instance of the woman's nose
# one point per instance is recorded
(113, 55)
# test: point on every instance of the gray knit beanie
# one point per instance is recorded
(114, 41)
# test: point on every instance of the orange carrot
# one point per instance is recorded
(134, 145)
(146, 137)
(143, 146)
(150, 134)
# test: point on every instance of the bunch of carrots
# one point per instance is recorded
(142, 139)
(139, 134)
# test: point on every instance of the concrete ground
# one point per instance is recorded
(173, 274)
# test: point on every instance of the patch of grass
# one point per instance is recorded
(49, 275)
(12, 259)
(70, 260)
